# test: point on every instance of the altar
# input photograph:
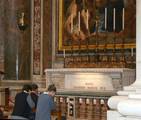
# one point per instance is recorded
(82, 93)
(90, 79)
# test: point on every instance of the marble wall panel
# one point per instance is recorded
(2, 35)
(37, 37)
(16, 42)
(47, 34)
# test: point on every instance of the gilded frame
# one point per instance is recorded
(61, 46)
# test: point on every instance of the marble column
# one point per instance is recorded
(128, 104)
(137, 83)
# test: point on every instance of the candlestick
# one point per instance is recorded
(123, 14)
(21, 21)
(79, 21)
(64, 53)
(114, 20)
(71, 23)
(105, 18)
(87, 26)
(132, 52)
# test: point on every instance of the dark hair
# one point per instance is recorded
(27, 87)
(51, 88)
(34, 86)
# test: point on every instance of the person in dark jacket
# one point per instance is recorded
(34, 93)
(21, 108)
(46, 104)
(32, 100)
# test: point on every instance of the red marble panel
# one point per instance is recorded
(47, 34)
(37, 37)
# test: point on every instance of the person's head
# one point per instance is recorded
(34, 87)
(27, 88)
(51, 90)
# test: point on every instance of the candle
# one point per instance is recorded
(132, 51)
(79, 21)
(64, 53)
(71, 23)
(87, 101)
(87, 26)
(61, 99)
(123, 13)
(105, 18)
(114, 19)
(80, 100)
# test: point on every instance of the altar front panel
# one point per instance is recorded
(64, 78)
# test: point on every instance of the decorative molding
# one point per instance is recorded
(88, 70)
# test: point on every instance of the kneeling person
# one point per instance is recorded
(46, 104)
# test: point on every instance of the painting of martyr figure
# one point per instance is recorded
(81, 20)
